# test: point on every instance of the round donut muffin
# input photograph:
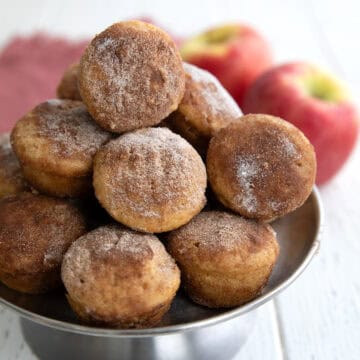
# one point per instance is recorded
(150, 179)
(261, 167)
(11, 178)
(205, 108)
(225, 260)
(35, 232)
(68, 86)
(131, 76)
(55, 144)
(119, 278)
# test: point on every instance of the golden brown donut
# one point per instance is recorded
(261, 167)
(11, 178)
(150, 179)
(35, 232)
(225, 260)
(119, 278)
(131, 76)
(55, 144)
(205, 108)
(68, 86)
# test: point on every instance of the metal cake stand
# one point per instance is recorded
(188, 331)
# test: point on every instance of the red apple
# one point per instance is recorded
(236, 54)
(316, 103)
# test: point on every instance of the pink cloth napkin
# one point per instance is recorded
(30, 70)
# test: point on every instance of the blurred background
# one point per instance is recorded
(318, 317)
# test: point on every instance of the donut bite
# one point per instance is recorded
(68, 86)
(225, 260)
(261, 167)
(150, 180)
(131, 76)
(55, 144)
(35, 232)
(11, 178)
(205, 108)
(120, 278)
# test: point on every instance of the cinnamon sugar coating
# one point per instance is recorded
(11, 178)
(55, 144)
(225, 260)
(131, 76)
(119, 278)
(68, 86)
(205, 108)
(151, 180)
(35, 232)
(261, 167)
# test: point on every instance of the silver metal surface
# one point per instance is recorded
(188, 331)
(217, 342)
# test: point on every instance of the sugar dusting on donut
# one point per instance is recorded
(131, 76)
(250, 169)
(288, 148)
(159, 169)
(115, 81)
(111, 241)
(45, 227)
(69, 127)
(215, 95)
(219, 230)
(106, 240)
(56, 247)
(247, 169)
(122, 79)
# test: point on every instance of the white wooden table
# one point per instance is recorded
(318, 317)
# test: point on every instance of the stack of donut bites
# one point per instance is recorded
(131, 130)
